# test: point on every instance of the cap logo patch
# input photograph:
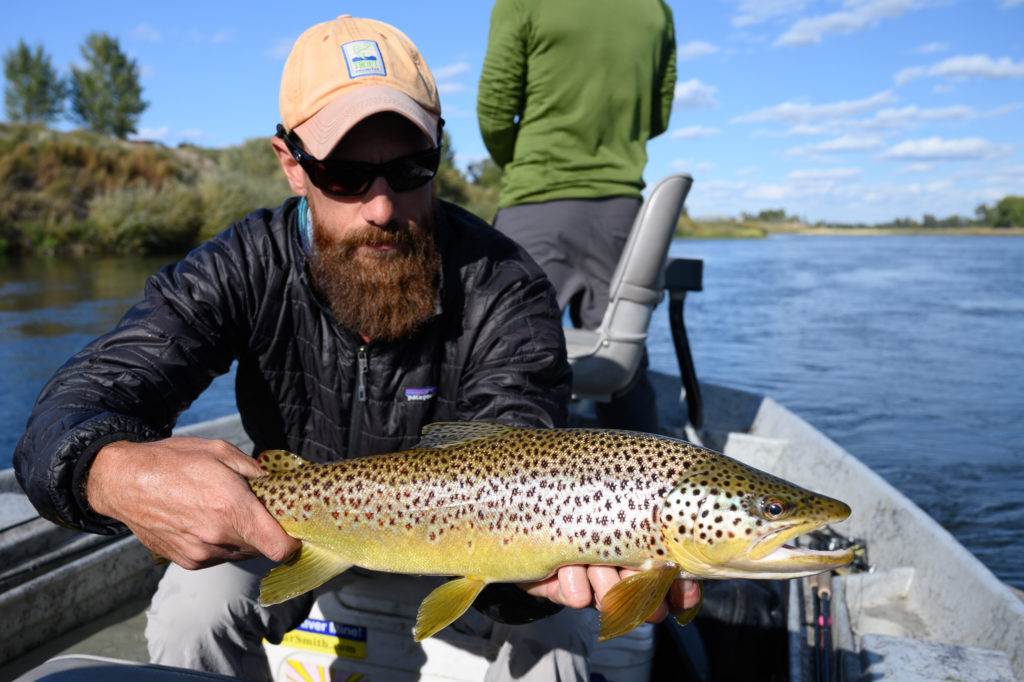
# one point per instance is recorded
(363, 59)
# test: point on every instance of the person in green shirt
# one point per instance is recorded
(569, 95)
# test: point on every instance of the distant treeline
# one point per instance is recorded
(1007, 212)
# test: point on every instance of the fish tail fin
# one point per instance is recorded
(308, 568)
(632, 601)
(444, 605)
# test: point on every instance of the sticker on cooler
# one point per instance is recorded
(325, 637)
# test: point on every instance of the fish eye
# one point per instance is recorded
(774, 508)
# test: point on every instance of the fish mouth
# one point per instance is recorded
(772, 555)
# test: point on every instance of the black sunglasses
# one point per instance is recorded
(352, 178)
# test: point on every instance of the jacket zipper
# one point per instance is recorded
(356, 418)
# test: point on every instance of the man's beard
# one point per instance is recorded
(383, 295)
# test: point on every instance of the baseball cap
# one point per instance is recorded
(339, 72)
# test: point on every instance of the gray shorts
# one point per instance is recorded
(577, 242)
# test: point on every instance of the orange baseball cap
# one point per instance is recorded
(339, 72)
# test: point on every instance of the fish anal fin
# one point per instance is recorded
(310, 567)
(442, 435)
(632, 601)
(684, 617)
(280, 461)
(444, 605)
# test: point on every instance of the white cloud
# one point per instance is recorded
(693, 132)
(861, 15)
(694, 50)
(965, 66)
(694, 167)
(1012, 3)
(931, 48)
(694, 95)
(846, 143)
(919, 167)
(450, 88)
(978, 66)
(145, 33)
(447, 78)
(451, 71)
(758, 11)
(281, 48)
(939, 149)
(743, 172)
(224, 35)
(802, 112)
(819, 174)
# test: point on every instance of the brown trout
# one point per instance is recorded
(492, 503)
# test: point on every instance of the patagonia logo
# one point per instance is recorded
(420, 394)
(363, 59)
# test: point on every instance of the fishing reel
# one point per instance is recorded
(826, 538)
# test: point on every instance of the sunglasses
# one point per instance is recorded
(352, 178)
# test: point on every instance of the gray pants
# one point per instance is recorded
(211, 620)
(578, 243)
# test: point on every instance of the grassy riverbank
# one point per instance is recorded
(81, 192)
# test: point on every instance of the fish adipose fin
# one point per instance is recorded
(280, 462)
(444, 605)
(632, 601)
(442, 435)
(310, 567)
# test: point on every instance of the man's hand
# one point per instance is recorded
(581, 586)
(188, 500)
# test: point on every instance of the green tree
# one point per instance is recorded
(1009, 212)
(485, 173)
(34, 92)
(450, 183)
(106, 95)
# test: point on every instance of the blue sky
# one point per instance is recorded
(839, 110)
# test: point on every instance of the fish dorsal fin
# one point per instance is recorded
(280, 461)
(442, 435)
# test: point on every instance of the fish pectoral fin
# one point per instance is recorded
(310, 567)
(280, 461)
(445, 604)
(632, 601)
(685, 616)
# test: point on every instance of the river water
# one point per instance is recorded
(907, 351)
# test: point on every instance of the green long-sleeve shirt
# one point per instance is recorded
(570, 93)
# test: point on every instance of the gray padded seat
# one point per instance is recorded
(605, 360)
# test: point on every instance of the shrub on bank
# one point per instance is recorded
(146, 219)
(81, 191)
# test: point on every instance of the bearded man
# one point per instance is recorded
(358, 311)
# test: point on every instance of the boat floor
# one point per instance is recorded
(120, 634)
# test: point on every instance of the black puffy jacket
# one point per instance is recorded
(494, 353)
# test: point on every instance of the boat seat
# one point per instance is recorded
(605, 360)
